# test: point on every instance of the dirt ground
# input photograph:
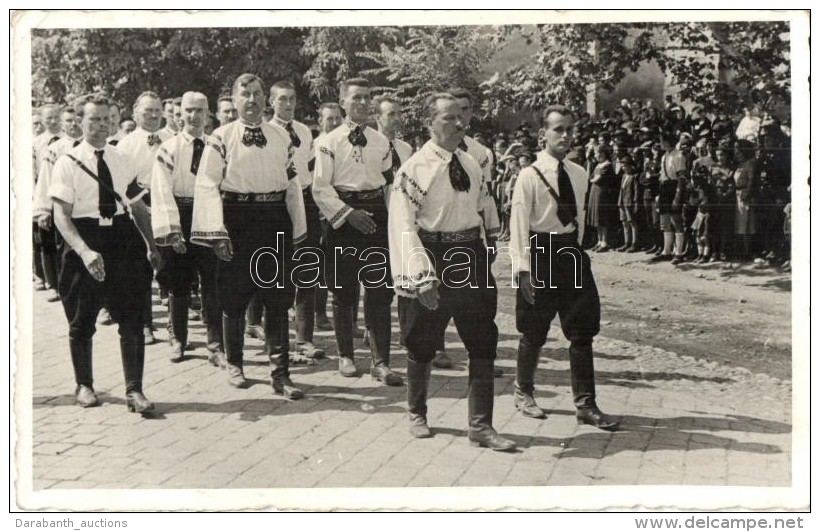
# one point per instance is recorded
(731, 314)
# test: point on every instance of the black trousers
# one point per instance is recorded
(305, 305)
(469, 297)
(127, 281)
(262, 239)
(578, 308)
(179, 274)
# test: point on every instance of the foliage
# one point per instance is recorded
(432, 59)
(694, 55)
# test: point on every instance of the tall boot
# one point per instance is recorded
(178, 325)
(378, 323)
(582, 378)
(480, 404)
(81, 350)
(343, 327)
(132, 350)
(233, 330)
(276, 348)
(418, 379)
(526, 364)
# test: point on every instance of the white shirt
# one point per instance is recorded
(227, 164)
(136, 144)
(43, 203)
(340, 165)
(303, 156)
(74, 186)
(424, 198)
(535, 210)
(482, 155)
(172, 177)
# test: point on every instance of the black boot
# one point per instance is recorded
(418, 379)
(132, 349)
(526, 365)
(233, 331)
(343, 328)
(276, 348)
(178, 325)
(83, 374)
(379, 327)
(480, 401)
(582, 378)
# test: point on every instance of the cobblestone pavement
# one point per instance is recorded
(684, 421)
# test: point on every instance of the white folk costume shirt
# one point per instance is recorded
(43, 203)
(72, 185)
(535, 210)
(343, 166)
(424, 198)
(483, 156)
(303, 156)
(142, 145)
(171, 178)
(227, 164)
(40, 144)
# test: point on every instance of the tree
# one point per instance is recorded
(339, 53)
(431, 59)
(720, 65)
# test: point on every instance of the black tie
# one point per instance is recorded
(294, 138)
(107, 202)
(154, 140)
(53, 139)
(77, 142)
(458, 176)
(253, 136)
(199, 146)
(396, 159)
(357, 137)
(567, 209)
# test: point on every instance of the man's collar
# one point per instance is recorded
(283, 123)
(442, 153)
(247, 123)
(351, 125)
(188, 138)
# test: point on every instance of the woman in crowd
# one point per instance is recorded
(602, 203)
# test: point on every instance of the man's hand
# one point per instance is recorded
(527, 289)
(362, 221)
(223, 249)
(155, 259)
(44, 222)
(94, 264)
(177, 243)
(428, 296)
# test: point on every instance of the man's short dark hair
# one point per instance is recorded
(352, 82)
(562, 110)
(282, 84)
(329, 105)
(224, 98)
(430, 103)
(96, 99)
(246, 79)
(460, 92)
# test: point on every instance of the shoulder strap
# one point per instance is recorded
(85, 169)
(546, 184)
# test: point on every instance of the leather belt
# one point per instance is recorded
(467, 235)
(182, 200)
(346, 195)
(249, 197)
